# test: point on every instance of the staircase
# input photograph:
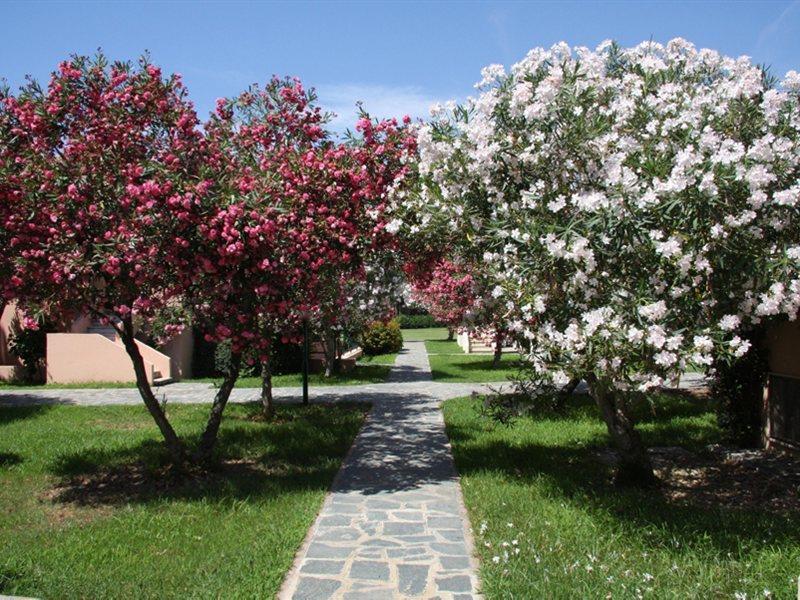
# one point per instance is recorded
(105, 330)
(473, 343)
(108, 332)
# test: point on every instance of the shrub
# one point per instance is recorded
(216, 359)
(29, 345)
(222, 362)
(382, 338)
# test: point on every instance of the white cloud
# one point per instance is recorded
(378, 100)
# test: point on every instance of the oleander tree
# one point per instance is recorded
(101, 172)
(381, 153)
(447, 290)
(636, 208)
(298, 214)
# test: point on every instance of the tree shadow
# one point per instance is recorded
(402, 447)
(301, 451)
(573, 475)
(9, 414)
(9, 459)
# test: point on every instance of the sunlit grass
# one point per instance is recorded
(549, 525)
(429, 333)
(233, 535)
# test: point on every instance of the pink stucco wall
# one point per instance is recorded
(85, 357)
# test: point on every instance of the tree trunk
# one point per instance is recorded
(498, 348)
(450, 334)
(634, 466)
(268, 407)
(209, 437)
(565, 394)
(570, 388)
(173, 442)
(330, 354)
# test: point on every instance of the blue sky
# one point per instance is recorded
(396, 57)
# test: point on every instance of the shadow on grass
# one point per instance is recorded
(9, 459)
(300, 450)
(9, 414)
(572, 475)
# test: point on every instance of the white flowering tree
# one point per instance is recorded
(637, 208)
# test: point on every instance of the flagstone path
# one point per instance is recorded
(394, 525)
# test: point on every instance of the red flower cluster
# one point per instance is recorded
(114, 201)
(448, 292)
(298, 212)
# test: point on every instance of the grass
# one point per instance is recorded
(475, 368)
(368, 369)
(450, 364)
(420, 335)
(232, 535)
(378, 359)
(89, 385)
(443, 346)
(549, 525)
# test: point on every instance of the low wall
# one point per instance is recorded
(180, 350)
(85, 357)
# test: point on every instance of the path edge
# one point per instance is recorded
(292, 576)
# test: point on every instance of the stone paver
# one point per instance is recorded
(395, 511)
(411, 364)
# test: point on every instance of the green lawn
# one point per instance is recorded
(472, 367)
(378, 359)
(450, 364)
(429, 333)
(368, 369)
(548, 524)
(91, 385)
(443, 346)
(86, 510)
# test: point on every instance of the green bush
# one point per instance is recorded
(213, 360)
(222, 362)
(30, 347)
(382, 338)
(417, 321)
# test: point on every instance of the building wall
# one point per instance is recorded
(782, 395)
(180, 350)
(89, 357)
(783, 341)
(6, 321)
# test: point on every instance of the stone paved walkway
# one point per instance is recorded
(394, 525)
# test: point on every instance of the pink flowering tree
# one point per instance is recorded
(448, 292)
(365, 288)
(100, 186)
(299, 213)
